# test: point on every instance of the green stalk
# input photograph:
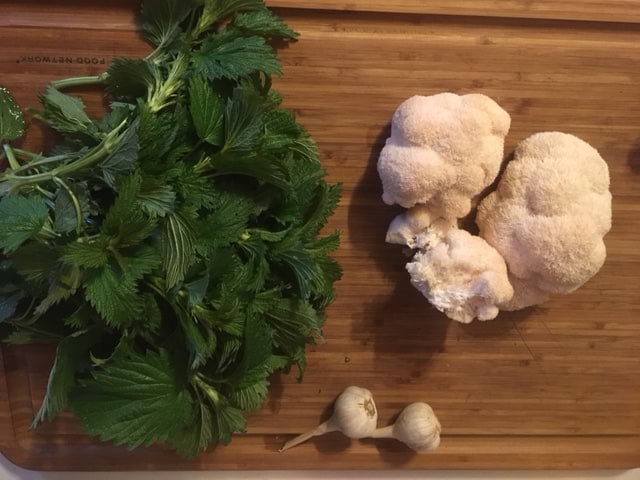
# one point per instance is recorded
(74, 200)
(162, 97)
(88, 238)
(202, 164)
(46, 193)
(25, 153)
(47, 233)
(37, 160)
(119, 260)
(208, 389)
(153, 283)
(38, 331)
(79, 81)
(13, 161)
(94, 156)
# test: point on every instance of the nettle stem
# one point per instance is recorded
(25, 153)
(384, 432)
(11, 158)
(97, 154)
(45, 193)
(211, 392)
(74, 200)
(79, 81)
(37, 160)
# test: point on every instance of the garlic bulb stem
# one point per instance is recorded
(354, 414)
(384, 432)
(321, 429)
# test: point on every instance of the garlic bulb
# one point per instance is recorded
(417, 426)
(354, 414)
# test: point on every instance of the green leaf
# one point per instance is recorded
(207, 111)
(63, 283)
(118, 113)
(80, 319)
(274, 97)
(64, 112)
(281, 130)
(35, 261)
(11, 119)
(252, 397)
(201, 340)
(125, 202)
(152, 319)
(21, 218)
(261, 168)
(113, 295)
(226, 319)
(64, 209)
(85, 254)
(227, 222)
(132, 78)
(256, 352)
(71, 357)
(22, 336)
(269, 236)
(196, 438)
(197, 289)
(227, 354)
(265, 300)
(295, 323)
(243, 120)
(139, 261)
(302, 265)
(216, 10)
(265, 23)
(229, 420)
(161, 19)
(326, 201)
(125, 221)
(276, 362)
(122, 161)
(227, 55)
(134, 400)
(122, 348)
(155, 198)
(194, 188)
(327, 270)
(176, 247)
(257, 268)
(156, 135)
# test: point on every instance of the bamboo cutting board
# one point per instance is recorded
(551, 387)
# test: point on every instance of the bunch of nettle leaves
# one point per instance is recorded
(170, 248)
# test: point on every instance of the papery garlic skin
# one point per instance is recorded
(355, 413)
(417, 426)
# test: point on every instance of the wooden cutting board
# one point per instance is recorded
(551, 387)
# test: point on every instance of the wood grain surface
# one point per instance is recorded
(556, 386)
(593, 10)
